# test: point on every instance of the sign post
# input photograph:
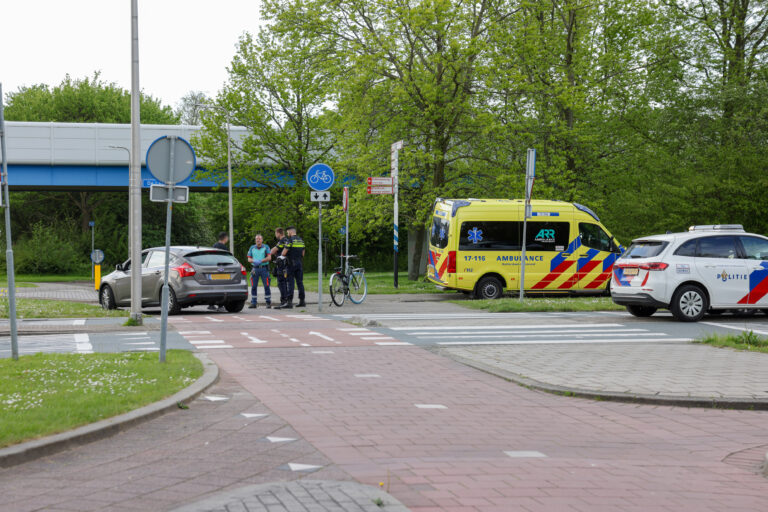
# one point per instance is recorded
(5, 202)
(530, 177)
(170, 159)
(345, 205)
(320, 177)
(97, 256)
(92, 224)
(397, 146)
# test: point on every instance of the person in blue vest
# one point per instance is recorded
(294, 251)
(259, 256)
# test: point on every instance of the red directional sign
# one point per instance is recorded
(381, 190)
(380, 182)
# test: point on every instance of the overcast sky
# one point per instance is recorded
(184, 44)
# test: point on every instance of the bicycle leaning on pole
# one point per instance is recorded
(350, 283)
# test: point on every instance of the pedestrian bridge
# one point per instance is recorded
(87, 156)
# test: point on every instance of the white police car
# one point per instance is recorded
(709, 268)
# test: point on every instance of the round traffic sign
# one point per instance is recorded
(159, 159)
(97, 256)
(320, 177)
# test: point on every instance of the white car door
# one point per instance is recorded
(756, 253)
(722, 270)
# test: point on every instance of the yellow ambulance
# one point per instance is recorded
(475, 246)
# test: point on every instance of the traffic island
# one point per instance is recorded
(674, 374)
(26, 451)
(317, 495)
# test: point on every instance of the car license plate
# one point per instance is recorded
(631, 271)
(220, 277)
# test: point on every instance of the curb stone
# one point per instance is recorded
(614, 396)
(300, 496)
(765, 466)
(23, 452)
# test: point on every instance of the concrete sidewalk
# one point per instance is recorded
(681, 374)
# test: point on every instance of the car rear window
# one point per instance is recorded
(645, 249)
(211, 258)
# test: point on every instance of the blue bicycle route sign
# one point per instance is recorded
(320, 177)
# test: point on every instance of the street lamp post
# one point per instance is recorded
(134, 190)
(229, 172)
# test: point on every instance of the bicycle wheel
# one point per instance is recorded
(358, 286)
(337, 289)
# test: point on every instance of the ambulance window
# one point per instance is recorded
(438, 235)
(547, 236)
(755, 248)
(717, 247)
(594, 237)
(490, 236)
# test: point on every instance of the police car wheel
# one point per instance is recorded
(689, 303)
(488, 288)
(641, 311)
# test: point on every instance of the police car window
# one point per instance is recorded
(755, 248)
(717, 247)
(687, 249)
(594, 237)
(438, 234)
(490, 236)
(645, 249)
(547, 236)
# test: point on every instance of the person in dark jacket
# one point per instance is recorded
(281, 265)
(222, 243)
(294, 251)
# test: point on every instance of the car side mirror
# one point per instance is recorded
(119, 267)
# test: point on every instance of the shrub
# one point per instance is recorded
(49, 249)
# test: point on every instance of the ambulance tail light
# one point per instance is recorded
(654, 265)
(451, 262)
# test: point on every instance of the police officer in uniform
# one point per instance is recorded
(281, 265)
(294, 250)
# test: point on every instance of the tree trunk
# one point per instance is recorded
(416, 240)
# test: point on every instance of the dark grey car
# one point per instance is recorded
(198, 275)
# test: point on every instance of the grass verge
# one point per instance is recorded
(746, 340)
(44, 394)
(46, 278)
(43, 308)
(555, 304)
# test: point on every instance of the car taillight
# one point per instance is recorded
(242, 269)
(185, 270)
(451, 262)
(655, 265)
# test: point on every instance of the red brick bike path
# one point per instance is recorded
(357, 406)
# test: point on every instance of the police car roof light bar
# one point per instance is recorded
(717, 227)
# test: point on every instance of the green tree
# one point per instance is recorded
(83, 100)
(278, 88)
(414, 71)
